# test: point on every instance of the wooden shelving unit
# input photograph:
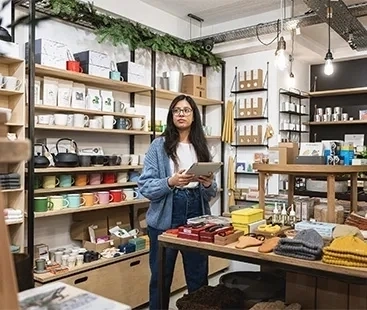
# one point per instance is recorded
(339, 92)
(14, 100)
(353, 122)
(170, 95)
(86, 169)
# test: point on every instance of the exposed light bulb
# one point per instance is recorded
(329, 68)
(282, 60)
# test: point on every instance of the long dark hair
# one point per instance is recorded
(196, 136)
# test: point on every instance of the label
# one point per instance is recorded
(248, 130)
(242, 130)
(255, 103)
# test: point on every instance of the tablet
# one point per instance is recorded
(204, 168)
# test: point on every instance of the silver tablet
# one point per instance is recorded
(204, 168)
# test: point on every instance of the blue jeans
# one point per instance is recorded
(186, 204)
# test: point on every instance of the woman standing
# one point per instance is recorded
(175, 196)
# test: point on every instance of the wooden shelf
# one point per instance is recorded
(13, 190)
(90, 80)
(49, 277)
(353, 122)
(250, 118)
(206, 137)
(14, 124)
(170, 95)
(6, 92)
(39, 107)
(87, 209)
(295, 95)
(6, 60)
(56, 170)
(339, 92)
(247, 173)
(86, 129)
(86, 188)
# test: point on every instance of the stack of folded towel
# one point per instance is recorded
(348, 251)
(307, 244)
(12, 215)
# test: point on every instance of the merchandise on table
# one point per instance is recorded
(348, 251)
(307, 244)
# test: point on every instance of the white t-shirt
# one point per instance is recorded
(186, 156)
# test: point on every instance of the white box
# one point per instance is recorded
(50, 61)
(51, 48)
(94, 58)
(10, 49)
(96, 71)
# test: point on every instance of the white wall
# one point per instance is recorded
(54, 231)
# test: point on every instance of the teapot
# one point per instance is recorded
(40, 160)
(67, 158)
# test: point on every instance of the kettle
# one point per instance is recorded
(40, 160)
(66, 159)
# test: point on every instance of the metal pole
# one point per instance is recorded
(222, 145)
(153, 93)
(31, 97)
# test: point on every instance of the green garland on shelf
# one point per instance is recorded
(119, 31)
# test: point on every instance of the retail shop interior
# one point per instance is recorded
(85, 88)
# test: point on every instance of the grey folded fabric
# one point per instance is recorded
(307, 244)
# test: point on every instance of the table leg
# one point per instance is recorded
(291, 184)
(331, 198)
(262, 179)
(162, 294)
(354, 192)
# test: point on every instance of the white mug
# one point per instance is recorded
(70, 122)
(61, 119)
(134, 159)
(122, 177)
(130, 194)
(11, 83)
(130, 110)
(137, 123)
(100, 121)
(80, 120)
(94, 123)
(125, 159)
(108, 121)
(141, 159)
(45, 119)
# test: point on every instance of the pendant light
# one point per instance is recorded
(281, 55)
(329, 68)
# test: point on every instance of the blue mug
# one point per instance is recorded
(66, 180)
(75, 200)
(115, 75)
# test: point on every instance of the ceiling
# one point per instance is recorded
(219, 11)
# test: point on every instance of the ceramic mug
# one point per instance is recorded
(75, 200)
(104, 197)
(11, 83)
(109, 178)
(122, 177)
(66, 180)
(58, 202)
(50, 181)
(122, 123)
(117, 195)
(116, 76)
(91, 199)
(45, 119)
(125, 159)
(80, 120)
(134, 159)
(81, 180)
(42, 204)
(108, 121)
(61, 119)
(137, 123)
(130, 194)
(95, 179)
(94, 123)
(73, 65)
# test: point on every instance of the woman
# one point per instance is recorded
(175, 196)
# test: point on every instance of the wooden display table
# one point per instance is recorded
(251, 255)
(312, 171)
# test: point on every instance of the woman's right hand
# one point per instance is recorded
(180, 179)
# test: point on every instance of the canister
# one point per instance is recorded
(326, 118)
(318, 118)
(319, 111)
(336, 117)
(328, 111)
(338, 110)
(345, 116)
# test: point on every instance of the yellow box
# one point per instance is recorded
(247, 216)
(242, 227)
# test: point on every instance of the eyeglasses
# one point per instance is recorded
(185, 111)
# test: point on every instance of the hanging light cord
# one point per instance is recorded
(329, 19)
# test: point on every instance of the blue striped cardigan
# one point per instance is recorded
(153, 184)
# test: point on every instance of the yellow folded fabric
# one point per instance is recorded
(347, 245)
(346, 251)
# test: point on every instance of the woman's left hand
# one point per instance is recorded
(206, 180)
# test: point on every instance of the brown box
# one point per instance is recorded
(294, 150)
(256, 135)
(244, 135)
(244, 80)
(257, 78)
(285, 155)
(257, 106)
(228, 239)
(244, 108)
(194, 85)
(118, 217)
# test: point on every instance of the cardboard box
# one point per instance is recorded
(118, 217)
(294, 150)
(194, 85)
(257, 135)
(257, 107)
(257, 78)
(285, 155)
(244, 80)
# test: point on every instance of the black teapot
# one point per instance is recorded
(66, 159)
(40, 160)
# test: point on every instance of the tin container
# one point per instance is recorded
(318, 118)
(326, 118)
(319, 111)
(328, 111)
(336, 117)
(338, 110)
(345, 116)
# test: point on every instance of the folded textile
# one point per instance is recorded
(346, 251)
(9, 211)
(346, 230)
(307, 244)
(13, 217)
